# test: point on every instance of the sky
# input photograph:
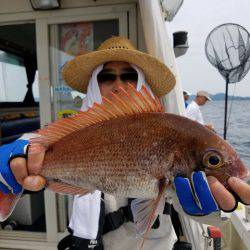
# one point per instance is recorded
(198, 18)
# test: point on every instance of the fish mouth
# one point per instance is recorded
(245, 176)
(242, 171)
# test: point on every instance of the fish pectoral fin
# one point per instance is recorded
(64, 188)
(145, 212)
(7, 204)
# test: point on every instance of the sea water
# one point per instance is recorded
(238, 133)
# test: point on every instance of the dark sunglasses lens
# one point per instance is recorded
(129, 77)
(105, 77)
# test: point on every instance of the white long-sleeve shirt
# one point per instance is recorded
(194, 113)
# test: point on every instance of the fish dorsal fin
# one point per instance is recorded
(125, 102)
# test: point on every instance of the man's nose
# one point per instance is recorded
(117, 85)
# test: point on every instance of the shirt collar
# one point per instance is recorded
(196, 105)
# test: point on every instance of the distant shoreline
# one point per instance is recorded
(220, 100)
(221, 97)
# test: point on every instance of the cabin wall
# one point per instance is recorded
(18, 10)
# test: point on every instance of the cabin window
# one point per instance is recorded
(68, 40)
(13, 79)
(19, 111)
(19, 97)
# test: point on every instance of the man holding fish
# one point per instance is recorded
(124, 145)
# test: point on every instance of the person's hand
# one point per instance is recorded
(8, 183)
(14, 172)
(194, 195)
(210, 126)
(202, 195)
(228, 201)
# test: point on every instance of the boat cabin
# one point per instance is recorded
(35, 43)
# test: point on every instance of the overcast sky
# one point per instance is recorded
(198, 18)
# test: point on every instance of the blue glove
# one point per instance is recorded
(195, 196)
(8, 183)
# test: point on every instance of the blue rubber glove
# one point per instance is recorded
(8, 183)
(195, 196)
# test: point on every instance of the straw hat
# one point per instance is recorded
(77, 72)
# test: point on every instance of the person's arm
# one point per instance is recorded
(196, 115)
(191, 113)
(200, 118)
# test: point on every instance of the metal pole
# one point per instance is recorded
(225, 117)
(247, 213)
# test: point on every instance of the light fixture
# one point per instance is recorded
(170, 8)
(180, 43)
(45, 4)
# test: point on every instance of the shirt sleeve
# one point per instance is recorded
(191, 113)
(200, 118)
(194, 114)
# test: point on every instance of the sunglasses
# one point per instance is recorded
(103, 77)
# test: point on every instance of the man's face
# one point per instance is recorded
(202, 100)
(115, 74)
(186, 97)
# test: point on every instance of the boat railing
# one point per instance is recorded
(247, 214)
(240, 219)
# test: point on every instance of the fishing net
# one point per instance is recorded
(228, 49)
(170, 8)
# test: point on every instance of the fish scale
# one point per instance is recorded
(117, 159)
(102, 161)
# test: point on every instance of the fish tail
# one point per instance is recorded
(7, 204)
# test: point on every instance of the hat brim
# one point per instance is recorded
(186, 93)
(77, 72)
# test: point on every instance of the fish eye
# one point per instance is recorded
(212, 160)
